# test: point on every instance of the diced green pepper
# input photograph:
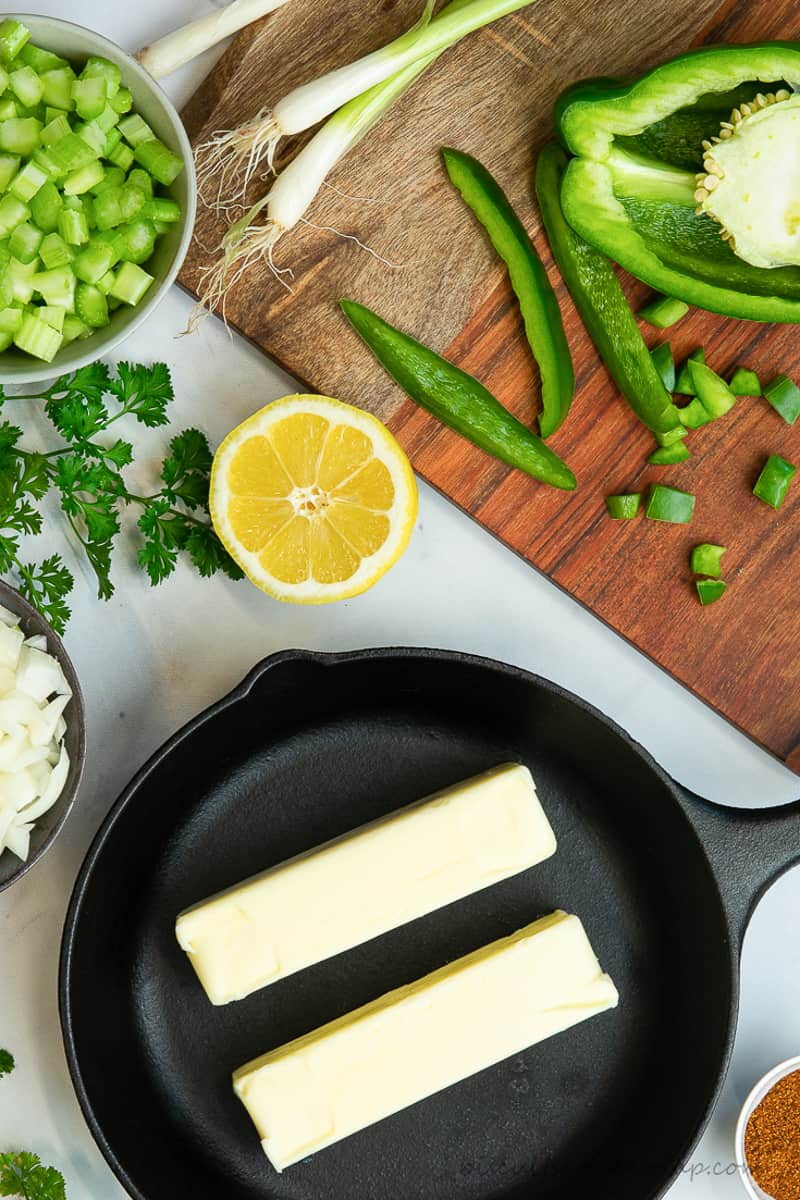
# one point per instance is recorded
(774, 480)
(669, 504)
(707, 559)
(664, 364)
(710, 590)
(666, 456)
(745, 382)
(712, 391)
(784, 396)
(663, 312)
(625, 506)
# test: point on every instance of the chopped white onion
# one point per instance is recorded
(34, 762)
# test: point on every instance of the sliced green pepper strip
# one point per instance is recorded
(625, 506)
(683, 384)
(745, 382)
(601, 302)
(663, 312)
(710, 590)
(784, 396)
(707, 559)
(774, 480)
(541, 314)
(664, 364)
(457, 399)
(629, 190)
(665, 456)
(712, 391)
(669, 504)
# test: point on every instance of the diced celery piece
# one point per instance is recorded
(51, 114)
(13, 36)
(46, 206)
(159, 160)
(108, 119)
(89, 96)
(57, 88)
(73, 202)
(91, 305)
(20, 277)
(112, 177)
(73, 227)
(140, 179)
(12, 213)
(123, 101)
(56, 129)
(41, 60)
(56, 287)
(94, 262)
(9, 165)
(161, 227)
(130, 283)
(27, 182)
(25, 241)
(37, 338)
(113, 139)
(116, 205)
(10, 319)
(54, 317)
(8, 108)
(26, 86)
(3, 80)
(93, 135)
(5, 340)
(54, 252)
(135, 130)
(43, 158)
(106, 282)
(20, 135)
(71, 153)
(161, 209)
(74, 328)
(121, 156)
(138, 241)
(102, 68)
(78, 182)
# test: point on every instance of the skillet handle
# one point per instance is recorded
(748, 849)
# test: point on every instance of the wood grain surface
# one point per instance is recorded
(492, 96)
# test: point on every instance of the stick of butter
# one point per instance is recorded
(358, 886)
(423, 1037)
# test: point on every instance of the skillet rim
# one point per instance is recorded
(331, 659)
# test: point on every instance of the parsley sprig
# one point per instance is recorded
(86, 470)
(22, 1174)
(6, 1063)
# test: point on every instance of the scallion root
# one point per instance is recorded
(229, 159)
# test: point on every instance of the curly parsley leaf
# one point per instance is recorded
(91, 383)
(22, 1174)
(144, 391)
(209, 555)
(187, 469)
(6, 1063)
(46, 587)
(90, 492)
(165, 533)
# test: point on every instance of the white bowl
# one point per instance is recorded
(76, 43)
(764, 1085)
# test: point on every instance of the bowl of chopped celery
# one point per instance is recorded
(97, 196)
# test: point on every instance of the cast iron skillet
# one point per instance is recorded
(310, 746)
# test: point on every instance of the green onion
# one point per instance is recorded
(625, 506)
(710, 590)
(784, 396)
(663, 312)
(706, 559)
(172, 51)
(669, 504)
(745, 382)
(664, 364)
(774, 480)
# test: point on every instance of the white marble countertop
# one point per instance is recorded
(175, 649)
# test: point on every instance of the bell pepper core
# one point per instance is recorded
(664, 364)
(624, 507)
(710, 590)
(602, 305)
(745, 382)
(541, 314)
(663, 312)
(683, 384)
(457, 399)
(707, 559)
(774, 480)
(632, 187)
(784, 396)
(669, 504)
(666, 456)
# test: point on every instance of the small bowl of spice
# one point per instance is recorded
(768, 1135)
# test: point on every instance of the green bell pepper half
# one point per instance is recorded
(629, 188)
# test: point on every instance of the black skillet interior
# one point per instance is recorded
(317, 746)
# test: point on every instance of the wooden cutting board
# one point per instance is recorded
(492, 96)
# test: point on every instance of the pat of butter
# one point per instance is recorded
(358, 886)
(423, 1037)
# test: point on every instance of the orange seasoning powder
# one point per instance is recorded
(772, 1140)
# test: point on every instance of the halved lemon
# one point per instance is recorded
(313, 498)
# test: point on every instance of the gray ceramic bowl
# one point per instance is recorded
(47, 827)
(76, 43)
